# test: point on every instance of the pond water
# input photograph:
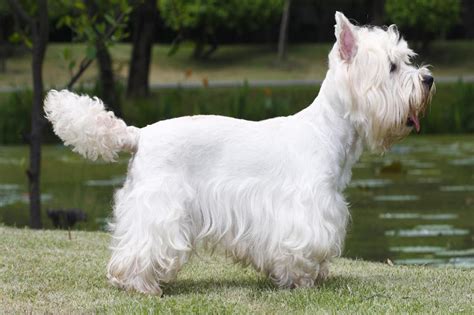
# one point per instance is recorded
(414, 205)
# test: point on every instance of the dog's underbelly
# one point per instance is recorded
(251, 217)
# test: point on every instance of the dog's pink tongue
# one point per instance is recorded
(416, 121)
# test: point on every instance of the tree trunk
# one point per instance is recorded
(283, 37)
(106, 79)
(40, 40)
(198, 48)
(3, 58)
(378, 12)
(213, 45)
(4, 47)
(106, 74)
(467, 12)
(138, 77)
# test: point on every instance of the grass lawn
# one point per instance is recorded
(44, 272)
(230, 62)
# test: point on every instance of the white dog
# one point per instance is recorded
(269, 192)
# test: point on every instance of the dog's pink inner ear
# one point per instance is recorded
(347, 43)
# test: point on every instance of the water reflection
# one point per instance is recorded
(396, 198)
(114, 181)
(370, 183)
(11, 194)
(415, 205)
(428, 230)
(461, 262)
(462, 162)
(404, 216)
(457, 188)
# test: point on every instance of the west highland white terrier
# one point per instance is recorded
(269, 192)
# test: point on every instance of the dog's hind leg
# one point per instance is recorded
(151, 239)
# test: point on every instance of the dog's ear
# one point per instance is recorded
(346, 37)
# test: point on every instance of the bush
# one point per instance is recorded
(200, 20)
(451, 112)
(426, 19)
(15, 117)
(243, 102)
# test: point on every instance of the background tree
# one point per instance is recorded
(33, 20)
(5, 28)
(199, 21)
(378, 12)
(100, 24)
(283, 38)
(144, 18)
(424, 20)
(34, 17)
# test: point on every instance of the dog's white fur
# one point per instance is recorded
(270, 192)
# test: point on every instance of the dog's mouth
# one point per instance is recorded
(413, 121)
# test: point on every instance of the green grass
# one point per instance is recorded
(44, 272)
(230, 62)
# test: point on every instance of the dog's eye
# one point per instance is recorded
(393, 67)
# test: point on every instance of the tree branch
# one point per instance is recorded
(113, 29)
(18, 9)
(86, 62)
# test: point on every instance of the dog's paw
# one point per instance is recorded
(323, 272)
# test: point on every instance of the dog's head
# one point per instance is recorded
(372, 69)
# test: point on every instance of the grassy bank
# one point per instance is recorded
(230, 62)
(44, 272)
(452, 110)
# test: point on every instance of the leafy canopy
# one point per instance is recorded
(426, 16)
(241, 15)
(199, 20)
(100, 20)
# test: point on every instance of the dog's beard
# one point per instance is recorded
(391, 113)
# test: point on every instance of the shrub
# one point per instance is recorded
(426, 19)
(200, 20)
(451, 112)
(15, 117)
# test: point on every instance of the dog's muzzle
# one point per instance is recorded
(413, 119)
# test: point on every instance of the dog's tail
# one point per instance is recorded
(83, 123)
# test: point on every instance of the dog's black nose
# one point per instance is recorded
(428, 80)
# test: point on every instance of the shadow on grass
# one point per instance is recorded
(260, 286)
(206, 286)
(342, 281)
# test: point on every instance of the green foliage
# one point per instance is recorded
(452, 110)
(15, 117)
(243, 102)
(212, 14)
(450, 113)
(21, 37)
(104, 21)
(90, 23)
(427, 17)
(23, 33)
(200, 20)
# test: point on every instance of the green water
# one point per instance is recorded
(414, 205)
